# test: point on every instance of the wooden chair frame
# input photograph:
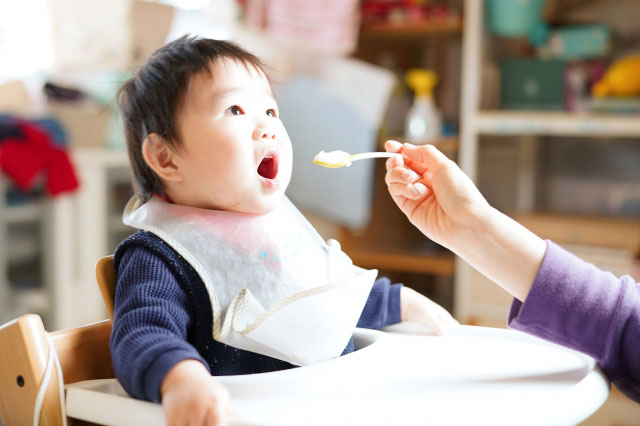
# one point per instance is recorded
(83, 353)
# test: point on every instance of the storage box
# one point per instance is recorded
(117, 34)
(86, 123)
(532, 84)
(150, 26)
(13, 97)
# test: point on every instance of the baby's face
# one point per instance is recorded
(235, 154)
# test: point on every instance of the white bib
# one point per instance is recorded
(275, 286)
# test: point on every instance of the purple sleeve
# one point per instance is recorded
(383, 305)
(575, 304)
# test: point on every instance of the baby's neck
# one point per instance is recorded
(164, 197)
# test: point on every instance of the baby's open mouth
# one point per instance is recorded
(268, 167)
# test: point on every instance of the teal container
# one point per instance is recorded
(532, 84)
(513, 18)
(579, 42)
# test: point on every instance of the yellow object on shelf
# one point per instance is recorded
(621, 79)
(421, 81)
(423, 122)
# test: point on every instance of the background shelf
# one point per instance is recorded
(555, 123)
(426, 263)
(387, 30)
(23, 213)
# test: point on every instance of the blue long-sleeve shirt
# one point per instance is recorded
(162, 315)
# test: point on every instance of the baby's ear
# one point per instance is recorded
(161, 158)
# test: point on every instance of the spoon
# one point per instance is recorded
(336, 159)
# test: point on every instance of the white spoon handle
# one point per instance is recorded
(364, 155)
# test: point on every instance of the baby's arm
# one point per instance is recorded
(191, 396)
(420, 309)
(389, 304)
(383, 305)
(151, 356)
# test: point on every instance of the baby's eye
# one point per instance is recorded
(235, 110)
(271, 112)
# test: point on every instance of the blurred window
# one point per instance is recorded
(25, 38)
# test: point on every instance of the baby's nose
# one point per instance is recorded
(261, 132)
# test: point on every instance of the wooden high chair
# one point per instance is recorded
(106, 277)
(83, 353)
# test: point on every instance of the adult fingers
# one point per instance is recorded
(393, 162)
(416, 166)
(428, 155)
(392, 146)
(406, 163)
(401, 175)
(414, 191)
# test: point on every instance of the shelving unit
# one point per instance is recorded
(554, 123)
(67, 235)
(390, 243)
(417, 30)
(23, 213)
(476, 299)
(84, 227)
(441, 264)
(26, 290)
(525, 127)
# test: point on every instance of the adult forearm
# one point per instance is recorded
(504, 251)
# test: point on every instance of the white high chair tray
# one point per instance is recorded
(476, 375)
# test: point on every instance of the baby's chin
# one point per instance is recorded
(263, 206)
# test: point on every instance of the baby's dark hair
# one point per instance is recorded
(150, 99)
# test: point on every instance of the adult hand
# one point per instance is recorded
(436, 196)
(443, 203)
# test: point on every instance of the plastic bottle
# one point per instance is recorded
(424, 123)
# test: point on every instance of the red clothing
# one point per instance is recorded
(25, 158)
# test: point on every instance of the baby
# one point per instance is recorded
(226, 276)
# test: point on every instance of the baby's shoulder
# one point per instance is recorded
(147, 246)
(145, 258)
(139, 239)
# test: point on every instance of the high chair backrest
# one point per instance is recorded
(83, 353)
(106, 277)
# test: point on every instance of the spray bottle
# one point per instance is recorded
(424, 123)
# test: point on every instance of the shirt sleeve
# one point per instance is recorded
(151, 319)
(383, 305)
(575, 304)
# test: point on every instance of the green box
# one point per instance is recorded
(532, 84)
